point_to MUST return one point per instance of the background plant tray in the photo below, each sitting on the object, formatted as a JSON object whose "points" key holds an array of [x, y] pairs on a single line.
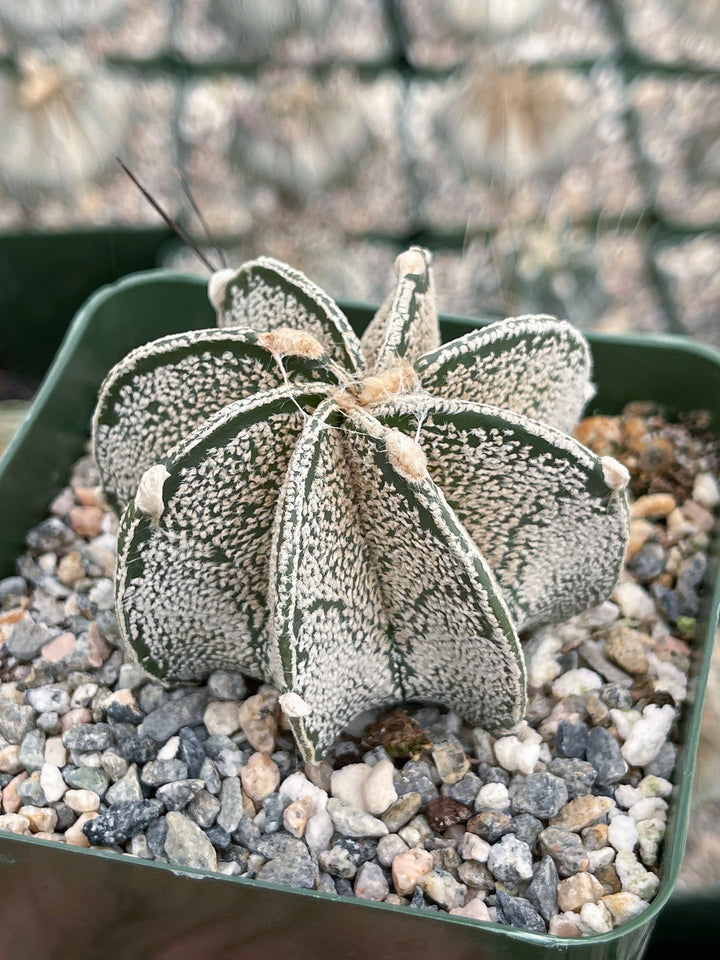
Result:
{"points": [[100, 904]]}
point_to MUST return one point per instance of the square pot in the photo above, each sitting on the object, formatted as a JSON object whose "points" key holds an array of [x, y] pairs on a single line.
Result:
{"points": [[62, 901]]}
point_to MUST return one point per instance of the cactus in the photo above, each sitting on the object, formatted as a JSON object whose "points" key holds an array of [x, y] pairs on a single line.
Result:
{"points": [[356, 522]]}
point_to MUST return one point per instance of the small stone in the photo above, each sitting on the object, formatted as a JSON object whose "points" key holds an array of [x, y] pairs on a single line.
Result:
{"points": [[514, 755], [581, 888], [82, 801], [664, 763], [527, 828], [634, 877], [579, 775], [50, 536], [14, 823], [260, 777], [370, 883], [126, 789], [156, 772], [607, 875], [292, 865], [122, 821], [75, 717], [491, 825], [122, 706], [476, 875], [76, 835], [226, 685], [258, 719], [650, 836], [565, 848], [231, 803], [402, 811], [624, 906], [41, 819], [647, 808], [86, 521], [519, 912], [296, 815], [540, 794], [353, 822], [177, 795], [542, 889], [603, 752], [583, 812], [510, 860], [565, 925], [297, 786], [595, 837], [648, 735], [10, 759], [445, 812], [378, 791], [59, 648], [88, 737], [11, 801], [465, 790], [634, 602], [706, 491], [442, 888], [626, 648], [319, 831], [653, 506], [49, 698], [347, 783], [55, 752], [52, 783], [571, 739], [576, 683], [417, 777], [169, 717], [32, 750], [391, 846], [16, 721], [338, 862], [595, 918], [409, 868], [27, 639], [450, 759], [222, 718], [273, 807], [203, 808], [31, 792], [187, 845], [475, 909]]}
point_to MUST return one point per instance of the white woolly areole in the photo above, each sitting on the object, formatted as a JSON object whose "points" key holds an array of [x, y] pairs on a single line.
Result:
{"points": [[293, 705], [412, 261], [616, 475], [589, 391], [285, 341], [406, 455], [149, 492], [217, 285]]}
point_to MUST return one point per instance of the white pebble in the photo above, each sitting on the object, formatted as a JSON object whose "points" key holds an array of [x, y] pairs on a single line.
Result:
{"points": [[595, 918], [319, 831], [634, 602], [514, 755], [576, 683], [492, 796], [378, 790], [600, 858], [650, 836], [169, 750], [648, 735], [634, 878], [347, 784], [473, 847], [626, 795], [622, 832], [706, 491], [541, 653], [652, 786], [668, 677], [82, 801], [55, 753], [52, 783], [297, 786], [648, 808], [624, 721]]}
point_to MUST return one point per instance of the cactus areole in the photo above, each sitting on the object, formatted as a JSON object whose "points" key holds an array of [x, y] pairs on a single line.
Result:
{"points": [[358, 522]]}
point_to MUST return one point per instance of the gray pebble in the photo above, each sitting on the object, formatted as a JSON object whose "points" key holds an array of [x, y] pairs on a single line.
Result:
{"points": [[464, 791], [616, 697], [510, 860], [65, 816], [274, 806], [27, 639], [16, 720], [343, 887], [648, 563], [171, 716], [571, 739], [540, 794], [227, 685], [292, 865], [518, 912], [136, 748], [542, 890], [191, 751], [450, 759], [114, 765], [338, 863], [487, 773], [417, 777], [353, 822], [157, 772], [218, 837], [88, 737], [231, 804], [86, 778], [476, 875], [127, 788], [121, 822], [31, 793], [155, 835], [177, 795], [527, 828], [215, 745], [187, 845], [565, 848], [50, 536], [12, 589], [359, 849], [579, 775], [603, 752], [32, 750], [664, 763], [203, 808], [248, 834], [402, 811], [49, 723]]}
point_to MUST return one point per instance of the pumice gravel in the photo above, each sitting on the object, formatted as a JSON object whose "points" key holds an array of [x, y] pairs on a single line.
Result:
{"points": [[555, 827]]}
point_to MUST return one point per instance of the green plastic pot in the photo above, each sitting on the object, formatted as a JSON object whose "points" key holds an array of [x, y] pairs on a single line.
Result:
{"points": [[56, 901]]}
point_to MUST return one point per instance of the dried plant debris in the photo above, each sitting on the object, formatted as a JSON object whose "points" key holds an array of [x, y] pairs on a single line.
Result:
{"points": [[357, 522], [556, 825]]}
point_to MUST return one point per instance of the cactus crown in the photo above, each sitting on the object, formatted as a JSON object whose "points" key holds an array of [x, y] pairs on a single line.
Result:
{"points": [[359, 522]]}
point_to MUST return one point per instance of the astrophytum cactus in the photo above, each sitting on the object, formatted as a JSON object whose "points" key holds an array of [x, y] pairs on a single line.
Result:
{"points": [[358, 522]]}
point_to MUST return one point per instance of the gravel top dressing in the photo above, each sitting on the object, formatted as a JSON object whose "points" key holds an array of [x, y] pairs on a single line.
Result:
{"points": [[556, 826]]}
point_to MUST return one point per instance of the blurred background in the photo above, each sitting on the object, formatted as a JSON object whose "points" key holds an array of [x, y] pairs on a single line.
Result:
{"points": [[558, 156]]}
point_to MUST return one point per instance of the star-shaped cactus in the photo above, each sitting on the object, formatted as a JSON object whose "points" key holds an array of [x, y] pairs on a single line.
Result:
{"points": [[358, 522]]}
